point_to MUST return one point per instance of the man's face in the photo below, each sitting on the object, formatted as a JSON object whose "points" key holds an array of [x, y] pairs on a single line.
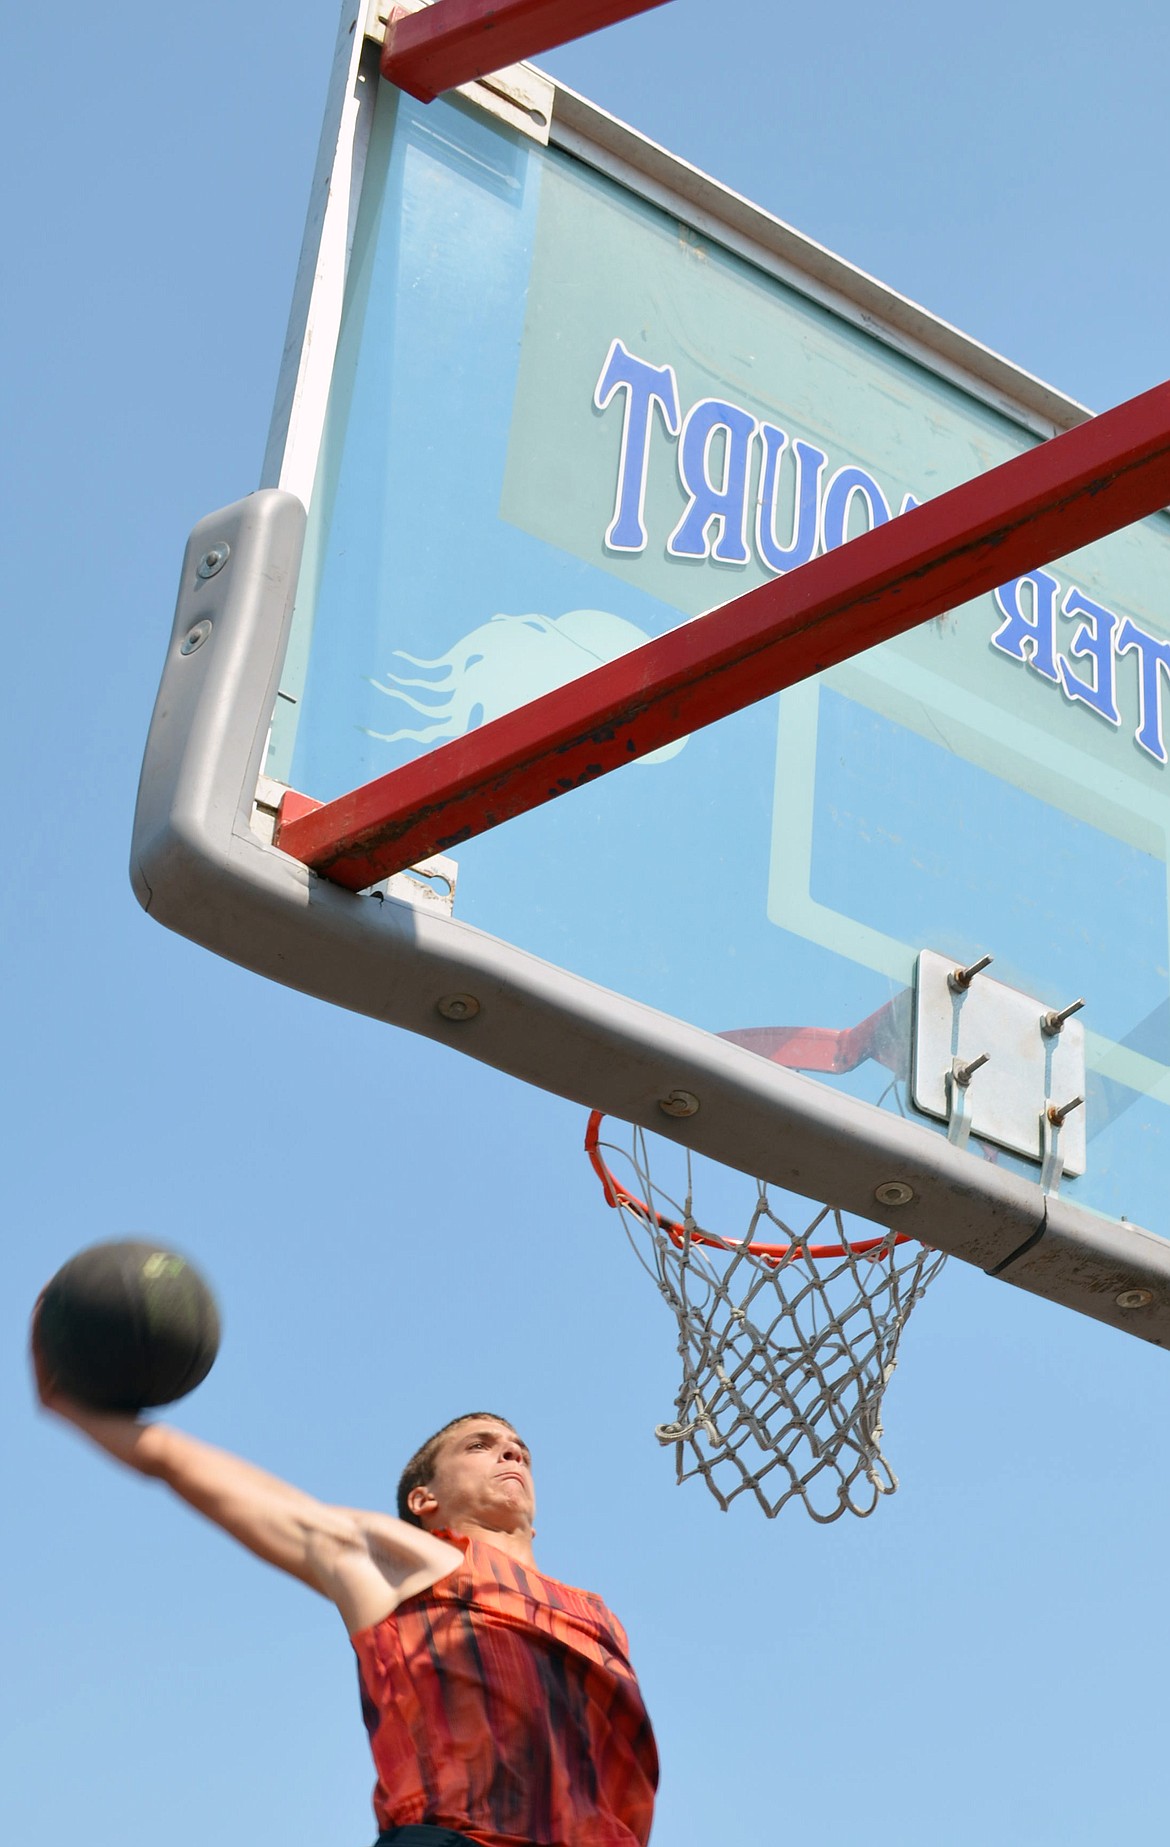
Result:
{"points": [[483, 1475]]}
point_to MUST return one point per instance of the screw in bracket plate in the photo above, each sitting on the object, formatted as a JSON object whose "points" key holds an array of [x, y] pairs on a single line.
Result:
{"points": [[1057, 1112], [1051, 1022], [679, 1103], [1135, 1298], [893, 1193], [963, 1074], [213, 559], [195, 637], [960, 979], [458, 1006]]}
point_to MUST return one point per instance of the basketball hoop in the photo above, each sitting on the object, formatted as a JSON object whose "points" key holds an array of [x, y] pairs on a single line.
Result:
{"points": [[787, 1345]]}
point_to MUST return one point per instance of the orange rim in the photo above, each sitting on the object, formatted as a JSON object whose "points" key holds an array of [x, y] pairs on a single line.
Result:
{"points": [[618, 1195]]}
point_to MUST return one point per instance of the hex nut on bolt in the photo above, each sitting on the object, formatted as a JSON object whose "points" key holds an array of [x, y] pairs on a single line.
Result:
{"points": [[458, 1007], [893, 1193]]}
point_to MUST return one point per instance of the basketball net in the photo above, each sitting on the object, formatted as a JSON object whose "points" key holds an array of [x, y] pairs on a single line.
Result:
{"points": [[788, 1336]]}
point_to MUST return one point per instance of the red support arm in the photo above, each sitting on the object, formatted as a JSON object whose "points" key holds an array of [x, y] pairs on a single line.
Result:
{"points": [[1053, 499], [453, 41], [884, 1036]]}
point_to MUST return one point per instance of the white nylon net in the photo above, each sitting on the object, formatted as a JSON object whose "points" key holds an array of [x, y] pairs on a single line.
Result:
{"points": [[786, 1348]]}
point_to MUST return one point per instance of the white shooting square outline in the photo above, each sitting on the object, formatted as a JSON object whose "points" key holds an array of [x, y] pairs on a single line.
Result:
{"points": [[892, 687]]}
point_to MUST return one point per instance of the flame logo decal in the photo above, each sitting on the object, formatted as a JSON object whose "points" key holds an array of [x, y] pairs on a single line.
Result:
{"points": [[502, 664]]}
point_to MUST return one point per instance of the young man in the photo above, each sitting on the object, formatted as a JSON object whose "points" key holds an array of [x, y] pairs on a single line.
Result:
{"points": [[501, 1705]]}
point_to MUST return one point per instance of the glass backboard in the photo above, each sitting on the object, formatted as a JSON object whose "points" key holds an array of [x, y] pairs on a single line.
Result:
{"points": [[574, 395]]}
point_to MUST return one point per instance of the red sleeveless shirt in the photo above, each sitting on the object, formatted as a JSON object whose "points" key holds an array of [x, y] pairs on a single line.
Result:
{"points": [[502, 1704]]}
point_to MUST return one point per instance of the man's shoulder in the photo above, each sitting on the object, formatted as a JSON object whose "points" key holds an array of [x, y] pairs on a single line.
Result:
{"points": [[497, 1577]]}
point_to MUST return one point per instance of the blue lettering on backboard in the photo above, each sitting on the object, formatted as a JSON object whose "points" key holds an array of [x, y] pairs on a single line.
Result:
{"points": [[848, 486], [716, 442], [1094, 640], [723, 504], [1028, 631], [809, 464], [1154, 661], [644, 386]]}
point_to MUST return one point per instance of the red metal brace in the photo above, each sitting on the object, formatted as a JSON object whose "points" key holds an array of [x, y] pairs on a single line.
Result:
{"points": [[453, 41], [1053, 499], [884, 1036]]}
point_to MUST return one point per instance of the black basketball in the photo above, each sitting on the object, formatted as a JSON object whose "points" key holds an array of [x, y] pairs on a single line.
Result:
{"points": [[127, 1325]]}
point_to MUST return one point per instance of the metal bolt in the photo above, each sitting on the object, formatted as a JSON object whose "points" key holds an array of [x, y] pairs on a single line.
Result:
{"points": [[960, 979], [1135, 1298], [195, 637], [214, 560], [1057, 1114], [459, 1007], [679, 1103], [893, 1193], [1051, 1022], [963, 1074]]}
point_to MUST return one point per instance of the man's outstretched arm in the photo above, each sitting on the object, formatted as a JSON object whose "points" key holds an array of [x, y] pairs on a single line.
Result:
{"points": [[365, 1563]]}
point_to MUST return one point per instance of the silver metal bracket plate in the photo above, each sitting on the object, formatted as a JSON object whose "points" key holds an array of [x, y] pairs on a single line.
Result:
{"points": [[1024, 1077]]}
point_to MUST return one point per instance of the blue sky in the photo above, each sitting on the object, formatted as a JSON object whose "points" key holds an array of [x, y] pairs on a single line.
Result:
{"points": [[397, 1235]]}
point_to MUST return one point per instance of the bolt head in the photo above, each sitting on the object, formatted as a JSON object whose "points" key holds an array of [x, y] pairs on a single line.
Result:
{"points": [[893, 1193], [213, 559], [679, 1103], [1135, 1298], [195, 637], [458, 1007]]}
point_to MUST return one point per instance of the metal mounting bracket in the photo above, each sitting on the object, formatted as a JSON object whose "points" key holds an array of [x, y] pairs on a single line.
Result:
{"points": [[1029, 1095]]}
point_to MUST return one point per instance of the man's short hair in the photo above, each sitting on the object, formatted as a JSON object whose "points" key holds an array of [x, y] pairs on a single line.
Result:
{"points": [[421, 1466]]}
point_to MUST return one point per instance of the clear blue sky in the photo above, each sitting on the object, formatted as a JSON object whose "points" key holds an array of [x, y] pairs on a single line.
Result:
{"points": [[398, 1235]]}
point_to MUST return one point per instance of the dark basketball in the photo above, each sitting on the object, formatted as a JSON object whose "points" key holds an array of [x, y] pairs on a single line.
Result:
{"points": [[127, 1325]]}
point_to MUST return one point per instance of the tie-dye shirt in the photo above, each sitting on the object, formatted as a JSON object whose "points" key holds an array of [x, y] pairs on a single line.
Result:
{"points": [[502, 1704]]}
